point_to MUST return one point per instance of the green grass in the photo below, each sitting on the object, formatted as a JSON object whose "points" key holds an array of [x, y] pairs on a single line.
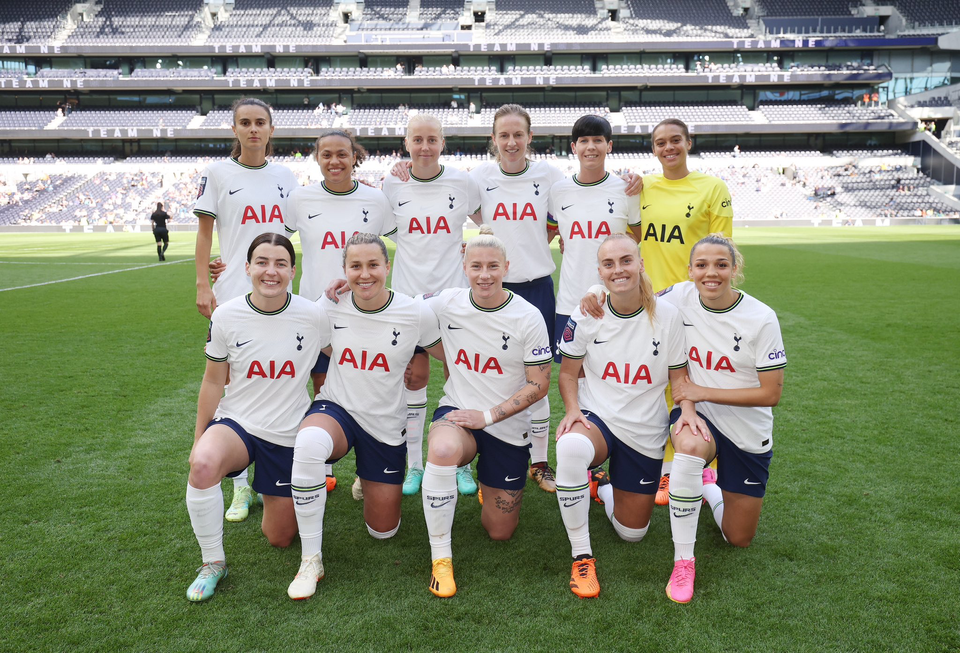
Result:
{"points": [[856, 551]]}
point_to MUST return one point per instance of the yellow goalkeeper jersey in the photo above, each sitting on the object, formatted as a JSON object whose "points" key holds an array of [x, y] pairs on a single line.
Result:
{"points": [[674, 215]]}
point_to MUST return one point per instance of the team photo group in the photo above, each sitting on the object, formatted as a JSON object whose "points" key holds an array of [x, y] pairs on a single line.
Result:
{"points": [[667, 371]]}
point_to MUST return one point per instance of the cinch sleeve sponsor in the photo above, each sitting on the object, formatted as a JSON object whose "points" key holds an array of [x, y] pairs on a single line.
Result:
{"points": [[770, 351], [216, 349], [206, 204], [721, 215], [537, 350]]}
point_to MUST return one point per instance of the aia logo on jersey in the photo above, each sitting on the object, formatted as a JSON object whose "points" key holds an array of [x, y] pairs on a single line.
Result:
{"points": [[623, 375], [714, 362], [601, 230], [503, 213], [474, 365], [368, 362], [263, 217], [271, 371], [332, 240], [428, 226], [569, 331], [662, 236], [203, 187]]}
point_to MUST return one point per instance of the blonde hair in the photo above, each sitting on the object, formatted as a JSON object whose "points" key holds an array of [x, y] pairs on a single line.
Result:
{"points": [[425, 119], [735, 255], [235, 151], [486, 239], [648, 299], [509, 110]]}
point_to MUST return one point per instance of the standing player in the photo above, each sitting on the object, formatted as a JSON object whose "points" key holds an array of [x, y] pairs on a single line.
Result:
{"points": [[678, 208], [244, 196], [266, 341], [362, 404], [498, 354], [619, 410], [735, 376], [327, 215], [160, 234], [586, 208], [427, 225]]}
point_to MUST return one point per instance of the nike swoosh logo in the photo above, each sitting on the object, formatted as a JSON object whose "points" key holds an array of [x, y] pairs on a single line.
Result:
{"points": [[303, 503], [311, 217], [685, 324], [279, 484], [599, 342], [434, 505], [494, 188], [564, 208], [241, 344], [510, 480], [568, 505], [235, 191], [390, 471], [339, 327], [749, 482], [322, 408], [686, 514], [646, 482], [644, 207], [402, 203], [453, 328]]}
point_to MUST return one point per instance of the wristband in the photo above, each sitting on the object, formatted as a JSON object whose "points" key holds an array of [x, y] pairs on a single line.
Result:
{"points": [[487, 418]]}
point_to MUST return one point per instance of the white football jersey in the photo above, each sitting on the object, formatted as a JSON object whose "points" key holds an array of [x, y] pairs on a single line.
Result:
{"points": [[371, 350], [326, 220], [726, 349], [585, 214], [245, 202], [487, 351], [270, 357], [427, 225], [516, 206], [626, 365]]}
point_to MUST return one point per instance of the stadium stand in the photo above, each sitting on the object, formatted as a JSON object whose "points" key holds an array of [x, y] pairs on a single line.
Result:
{"points": [[25, 119], [275, 21], [371, 116], [172, 73], [805, 8], [665, 20], [693, 112], [78, 73], [280, 72], [642, 69], [541, 114], [455, 71], [140, 21], [127, 118], [822, 112], [388, 11], [538, 20], [26, 21], [441, 10]]}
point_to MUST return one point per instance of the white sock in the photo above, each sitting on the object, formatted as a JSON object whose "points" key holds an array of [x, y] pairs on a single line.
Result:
{"points": [[665, 467], [714, 497], [605, 492], [686, 496], [628, 534], [416, 417], [240, 480], [383, 535], [439, 493], [328, 469], [308, 484], [539, 429], [575, 452], [206, 516]]}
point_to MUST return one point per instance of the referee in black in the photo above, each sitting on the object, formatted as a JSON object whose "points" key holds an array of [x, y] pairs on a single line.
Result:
{"points": [[159, 219]]}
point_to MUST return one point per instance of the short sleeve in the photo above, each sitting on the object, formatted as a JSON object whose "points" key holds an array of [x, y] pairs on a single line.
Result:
{"points": [[769, 347], [323, 321], [552, 210], [216, 348], [721, 210], [473, 195], [574, 338], [633, 210], [386, 214], [293, 209], [429, 326], [206, 204], [436, 301], [390, 218], [676, 340], [537, 346]]}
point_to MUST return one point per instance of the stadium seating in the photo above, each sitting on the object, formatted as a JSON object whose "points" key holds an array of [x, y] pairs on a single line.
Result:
{"points": [[276, 21], [78, 73], [539, 20], [823, 112], [693, 112], [642, 69], [26, 119], [553, 115], [679, 19], [127, 118], [172, 73], [440, 10], [26, 21], [140, 21]]}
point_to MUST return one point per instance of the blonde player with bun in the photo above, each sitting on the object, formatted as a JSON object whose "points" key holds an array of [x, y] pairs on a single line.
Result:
{"points": [[499, 357], [617, 410], [244, 196], [735, 373], [361, 406]]}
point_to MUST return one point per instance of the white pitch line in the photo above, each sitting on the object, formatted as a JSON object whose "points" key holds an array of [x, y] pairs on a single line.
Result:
{"points": [[95, 274], [63, 263]]}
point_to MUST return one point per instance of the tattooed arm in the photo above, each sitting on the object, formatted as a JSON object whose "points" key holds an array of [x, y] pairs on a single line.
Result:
{"points": [[536, 387]]}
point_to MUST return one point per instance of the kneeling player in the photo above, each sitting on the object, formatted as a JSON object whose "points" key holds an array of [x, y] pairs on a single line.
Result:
{"points": [[619, 411], [498, 354], [267, 340], [361, 405]]}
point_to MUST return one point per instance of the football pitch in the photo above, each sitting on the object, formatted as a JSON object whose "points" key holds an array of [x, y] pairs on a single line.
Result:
{"points": [[857, 548]]}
